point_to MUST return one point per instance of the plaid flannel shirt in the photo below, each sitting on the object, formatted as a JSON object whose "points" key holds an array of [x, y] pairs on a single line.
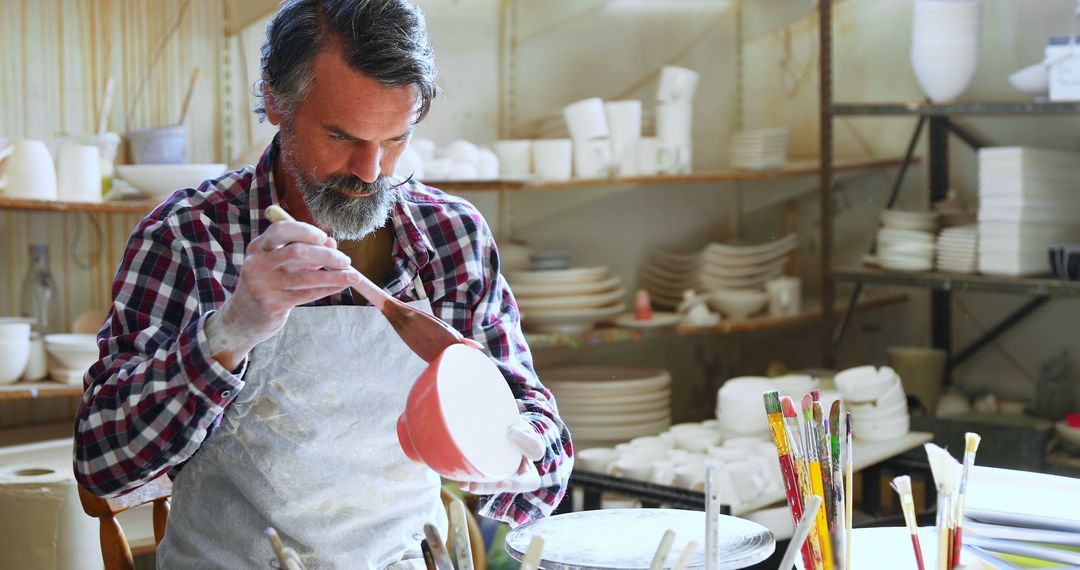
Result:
{"points": [[156, 393]]}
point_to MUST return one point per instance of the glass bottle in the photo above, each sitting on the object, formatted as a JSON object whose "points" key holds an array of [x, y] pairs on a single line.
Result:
{"points": [[40, 300]]}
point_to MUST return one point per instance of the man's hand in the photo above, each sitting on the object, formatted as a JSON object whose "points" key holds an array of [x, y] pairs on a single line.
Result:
{"points": [[527, 479], [283, 268]]}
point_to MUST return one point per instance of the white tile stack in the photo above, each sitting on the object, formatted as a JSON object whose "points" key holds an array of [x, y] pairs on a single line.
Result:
{"points": [[761, 149], [945, 42], [1027, 202], [905, 241], [958, 249]]}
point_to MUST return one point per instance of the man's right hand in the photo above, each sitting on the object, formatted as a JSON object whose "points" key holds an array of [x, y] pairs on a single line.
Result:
{"points": [[283, 268]]}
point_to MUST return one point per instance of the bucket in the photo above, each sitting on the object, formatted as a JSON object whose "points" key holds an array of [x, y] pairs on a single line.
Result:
{"points": [[161, 145]]}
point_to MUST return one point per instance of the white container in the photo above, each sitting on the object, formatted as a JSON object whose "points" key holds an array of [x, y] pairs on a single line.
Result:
{"points": [[676, 84], [587, 119], [14, 331], [78, 173], [624, 122], [597, 459], [72, 351], [674, 122], [37, 365], [593, 159], [27, 170], [553, 159], [785, 296], [1064, 77], [14, 355], [515, 157]]}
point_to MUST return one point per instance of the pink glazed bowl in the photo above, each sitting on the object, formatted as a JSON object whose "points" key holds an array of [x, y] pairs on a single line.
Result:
{"points": [[457, 416]]}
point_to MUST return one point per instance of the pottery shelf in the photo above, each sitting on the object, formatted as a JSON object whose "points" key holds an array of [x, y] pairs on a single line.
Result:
{"points": [[616, 335], [972, 108], [794, 169], [39, 390], [1040, 287]]}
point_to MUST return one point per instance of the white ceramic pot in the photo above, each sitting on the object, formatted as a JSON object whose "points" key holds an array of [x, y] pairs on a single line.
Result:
{"points": [[586, 119], [14, 356], [27, 171], [596, 460], [515, 157]]}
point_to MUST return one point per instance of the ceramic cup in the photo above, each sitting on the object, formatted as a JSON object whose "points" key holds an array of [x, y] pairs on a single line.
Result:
{"points": [[728, 454], [750, 477], [785, 296], [592, 158], [646, 469], [698, 441], [14, 356], [78, 173], [14, 331], [553, 159], [648, 153], [596, 460], [692, 477], [515, 157], [586, 119], [37, 365], [674, 122], [438, 168], [676, 84], [624, 122], [27, 171], [675, 158]]}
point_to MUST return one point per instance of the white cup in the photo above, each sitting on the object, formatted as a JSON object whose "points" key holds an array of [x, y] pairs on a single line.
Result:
{"points": [[37, 365], [78, 173], [745, 443], [676, 84], [750, 477], [14, 331], [14, 356], [586, 119], [27, 171], [675, 158], [596, 459], [646, 469], [438, 168], [553, 159], [592, 159], [648, 152], [624, 122], [423, 147], [646, 441], [674, 122], [698, 441], [785, 296], [728, 454], [692, 477], [487, 164], [515, 157]]}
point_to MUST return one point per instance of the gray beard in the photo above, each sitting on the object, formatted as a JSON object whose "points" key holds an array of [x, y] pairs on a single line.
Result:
{"points": [[348, 218]]}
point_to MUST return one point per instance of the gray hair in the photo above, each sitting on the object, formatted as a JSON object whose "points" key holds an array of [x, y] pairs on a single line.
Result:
{"points": [[385, 40]]}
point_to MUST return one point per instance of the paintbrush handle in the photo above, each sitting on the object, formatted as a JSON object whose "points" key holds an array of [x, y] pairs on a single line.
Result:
{"points": [[531, 560], [684, 559], [663, 550], [802, 531]]}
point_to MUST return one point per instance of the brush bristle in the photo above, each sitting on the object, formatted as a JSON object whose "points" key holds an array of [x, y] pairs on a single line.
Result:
{"points": [[971, 442], [847, 423], [815, 395], [788, 406], [835, 413], [807, 401], [902, 485], [772, 401], [819, 414], [944, 467]]}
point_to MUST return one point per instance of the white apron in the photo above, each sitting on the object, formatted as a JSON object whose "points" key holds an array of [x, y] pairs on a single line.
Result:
{"points": [[310, 447]]}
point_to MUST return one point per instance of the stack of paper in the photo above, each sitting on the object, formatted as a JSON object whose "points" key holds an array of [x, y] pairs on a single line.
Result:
{"points": [[1027, 202], [1023, 520]]}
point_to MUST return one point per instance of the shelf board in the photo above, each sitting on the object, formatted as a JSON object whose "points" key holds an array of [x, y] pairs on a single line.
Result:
{"points": [[606, 335], [974, 108], [92, 207], [793, 169], [960, 282], [33, 390]]}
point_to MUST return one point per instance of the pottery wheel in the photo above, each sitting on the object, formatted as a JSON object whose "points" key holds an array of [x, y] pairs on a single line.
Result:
{"points": [[626, 539]]}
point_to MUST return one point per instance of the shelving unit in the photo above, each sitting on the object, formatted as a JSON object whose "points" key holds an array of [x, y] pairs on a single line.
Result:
{"points": [[939, 119], [35, 390]]}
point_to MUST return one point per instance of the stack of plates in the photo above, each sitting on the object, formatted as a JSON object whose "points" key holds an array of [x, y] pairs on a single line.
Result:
{"points": [[570, 301], [607, 405], [957, 249], [667, 275], [906, 240], [875, 397], [761, 149], [1027, 202], [739, 406]]}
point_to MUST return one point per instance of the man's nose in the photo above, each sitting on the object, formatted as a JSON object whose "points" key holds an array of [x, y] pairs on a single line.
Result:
{"points": [[364, 162]]}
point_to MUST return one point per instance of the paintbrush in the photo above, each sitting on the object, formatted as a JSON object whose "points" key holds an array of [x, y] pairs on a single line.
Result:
{"points": [[971, 445], [663, 550], [825, 466], [438, 547], [902, 486], [287, 557], [849, 492], [835, 435], [684, 559], [459, 535], [429, 558], [813, 454], [786, 458], [946, 471], [793, 432], [802, 532], [531, 560]]}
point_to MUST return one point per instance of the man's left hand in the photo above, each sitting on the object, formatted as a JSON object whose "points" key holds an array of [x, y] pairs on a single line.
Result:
{"points": [[527, 479]]}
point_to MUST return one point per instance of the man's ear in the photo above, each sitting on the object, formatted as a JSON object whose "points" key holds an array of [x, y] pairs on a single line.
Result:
{"points": [[270, 103]]}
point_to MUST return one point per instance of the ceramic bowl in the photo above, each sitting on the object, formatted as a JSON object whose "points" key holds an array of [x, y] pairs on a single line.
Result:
{"points": [[14, 356], [865, 383], [72, 351], [596, 460], [738, 304], [160, 180], [14, 331], [457, 417], [698, 441], [875, 412], [880, 429], [1032, 80]]}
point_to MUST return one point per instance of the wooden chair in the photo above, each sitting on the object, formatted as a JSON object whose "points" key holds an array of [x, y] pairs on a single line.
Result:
{"points": [[117, 553]]}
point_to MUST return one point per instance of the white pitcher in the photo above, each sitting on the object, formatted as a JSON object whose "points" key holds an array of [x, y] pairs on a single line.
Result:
{"points": [[27, 171]]}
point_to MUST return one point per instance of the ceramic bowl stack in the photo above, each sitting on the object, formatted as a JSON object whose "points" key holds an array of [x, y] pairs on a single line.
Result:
{"points": [[607, 405], [569, 301], [906, 240], [957, 249], [739, 406], [876, 400], [735, 275], [945, 42], [761, 149], [667, 275], [1027, 202]]}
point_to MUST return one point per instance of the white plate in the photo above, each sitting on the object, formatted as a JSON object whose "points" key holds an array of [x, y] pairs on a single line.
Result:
{"points": [[523, 290], [744, 260], [558, 276], [603, 396], [571, 407], [569, 321], [659, 319], [905, 235], [532, 304], [622, 379], [622, 432], [904, 265], [727, 272], [784, 244], [623, 419], [744, 283]]}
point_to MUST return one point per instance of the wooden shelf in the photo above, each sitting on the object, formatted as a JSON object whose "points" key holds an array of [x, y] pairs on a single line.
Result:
{"points": [[92, 207], [1042, 287], [33, 390], [999, 108], [615, 335], [793, 169]]}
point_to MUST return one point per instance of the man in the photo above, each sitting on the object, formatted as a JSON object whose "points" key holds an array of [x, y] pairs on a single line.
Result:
{"points": [[235, 358]]}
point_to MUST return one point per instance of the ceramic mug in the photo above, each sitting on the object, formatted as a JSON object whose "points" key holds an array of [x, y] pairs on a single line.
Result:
{"points": [[692, 477], [515, 157], [674, 122], [624, 122], [597, 459], [645, 469], [27, 171], [553, 159], [675, 158], [676, 84], [79, 173], [593, 158], [698, 441], [785, 296], [586, 119], [749, 477]]}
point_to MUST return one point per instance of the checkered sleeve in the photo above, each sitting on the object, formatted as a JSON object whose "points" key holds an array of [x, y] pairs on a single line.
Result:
{"points": [[155, 390], [496, 322]]}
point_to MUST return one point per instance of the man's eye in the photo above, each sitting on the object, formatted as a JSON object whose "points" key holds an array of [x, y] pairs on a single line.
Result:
{"points": [[340, 137]]}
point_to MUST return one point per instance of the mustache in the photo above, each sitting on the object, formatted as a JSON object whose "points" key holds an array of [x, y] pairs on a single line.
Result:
{"points": [[352, 184]]}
